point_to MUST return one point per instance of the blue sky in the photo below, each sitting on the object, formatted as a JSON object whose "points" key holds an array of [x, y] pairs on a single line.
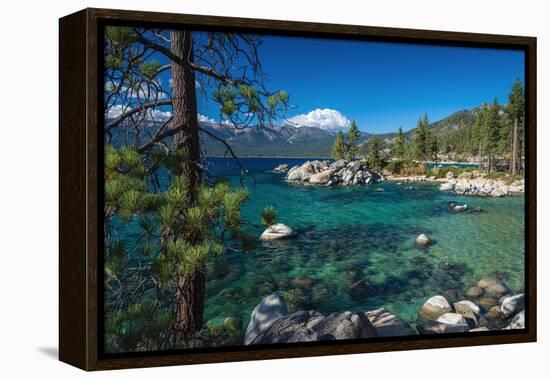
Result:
{"points": [[382, 86], [386, 85]]}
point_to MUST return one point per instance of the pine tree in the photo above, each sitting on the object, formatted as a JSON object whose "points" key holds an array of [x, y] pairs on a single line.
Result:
{"points": [[492, 133], [421, 139], [339, 149], [399, 147], [133, 191], [479, 133], [373, 156], [434, 147], [516, 110], [353, 136]]}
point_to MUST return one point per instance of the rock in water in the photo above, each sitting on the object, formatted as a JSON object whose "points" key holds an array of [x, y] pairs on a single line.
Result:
{"points": [[446, 187], [454, 319], [486, 282], [434, 307], [322, 177], [305, 326], [474, 292], [277, 231], [270, 309], [510, 305], [436, 327], [496, 290], [345, 325], [465, 306], [388, 325], [423, 240], [460, 208], [281, 169], [518, 322]]}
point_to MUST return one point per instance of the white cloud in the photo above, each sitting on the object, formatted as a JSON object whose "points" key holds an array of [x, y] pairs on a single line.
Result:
{"points": [[151, 114], [203, 118], [117, 110], [158, 115], [326, 119]]}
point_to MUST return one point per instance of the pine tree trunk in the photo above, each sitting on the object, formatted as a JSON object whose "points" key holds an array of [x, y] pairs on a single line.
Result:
{"points": [[513, 169], [189, 299]]}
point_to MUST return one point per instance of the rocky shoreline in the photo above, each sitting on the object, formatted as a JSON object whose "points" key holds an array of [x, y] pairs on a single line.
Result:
{"points": [[324, 173], [488, 305], [483, 187]]}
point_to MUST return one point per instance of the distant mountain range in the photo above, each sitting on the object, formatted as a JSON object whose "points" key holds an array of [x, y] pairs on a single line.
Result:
{"points": [[305, 141]]}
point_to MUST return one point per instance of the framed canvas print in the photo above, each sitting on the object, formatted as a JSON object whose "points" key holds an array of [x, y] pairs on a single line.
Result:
{"points": [[237, 189]]}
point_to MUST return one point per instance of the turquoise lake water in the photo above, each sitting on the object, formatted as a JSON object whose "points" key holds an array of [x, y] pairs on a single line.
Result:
{"points": [[355, 246]]}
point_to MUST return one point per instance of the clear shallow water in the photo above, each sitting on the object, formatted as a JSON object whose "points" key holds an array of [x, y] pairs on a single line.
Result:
{"points": [[355, 246]]}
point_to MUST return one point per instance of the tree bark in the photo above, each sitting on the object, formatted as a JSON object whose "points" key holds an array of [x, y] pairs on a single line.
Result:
{"points": [[189, 299], [513, 168]]}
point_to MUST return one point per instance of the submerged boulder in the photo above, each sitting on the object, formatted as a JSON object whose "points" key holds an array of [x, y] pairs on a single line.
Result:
{"points": [[281, 169], [474, 291], [277, 231], [422, 240]]}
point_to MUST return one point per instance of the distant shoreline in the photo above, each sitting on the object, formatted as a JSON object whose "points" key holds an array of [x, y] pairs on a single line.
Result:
{"points": [[266, 156], [450, 163]]}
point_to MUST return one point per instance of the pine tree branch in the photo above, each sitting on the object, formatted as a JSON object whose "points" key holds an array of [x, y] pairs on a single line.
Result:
{"points": [[199, 68], [141, 108]]}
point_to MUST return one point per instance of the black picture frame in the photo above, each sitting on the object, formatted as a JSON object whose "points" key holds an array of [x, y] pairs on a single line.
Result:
{"points": [[81, 188]]}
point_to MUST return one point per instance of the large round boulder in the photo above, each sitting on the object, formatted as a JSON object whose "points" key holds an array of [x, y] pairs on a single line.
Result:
{"points": [[510, 305], [270, 309], [388, 324], [277, 231], [434, 307], [322, 177], [422, 241], [496, 290], [453, 319], [518, 322], [474, 292]]}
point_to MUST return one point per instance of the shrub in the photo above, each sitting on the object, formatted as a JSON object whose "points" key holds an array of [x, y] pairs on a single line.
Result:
{"points": [[269, 216]]}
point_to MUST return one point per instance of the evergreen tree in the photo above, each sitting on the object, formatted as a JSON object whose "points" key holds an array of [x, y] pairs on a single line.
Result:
{"points": [[353, 136], [516, 110], [434, 147], [133, 192], [399, 147], [421, 143], [339, 148], [373, 156], [492, 133], [479, 133]]}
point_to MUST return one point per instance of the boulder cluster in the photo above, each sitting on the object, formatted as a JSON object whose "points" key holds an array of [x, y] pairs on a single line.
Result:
{"points": [[489, 305], [483, 187], [271, 323], [340, 172]]}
